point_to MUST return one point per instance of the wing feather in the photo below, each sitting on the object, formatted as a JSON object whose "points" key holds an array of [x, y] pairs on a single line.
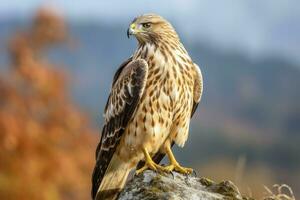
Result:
{"points": [[127, 88]]}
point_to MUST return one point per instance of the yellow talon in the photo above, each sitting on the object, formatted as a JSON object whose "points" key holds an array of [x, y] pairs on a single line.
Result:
{"points": [[174, 165], [149, 164]]}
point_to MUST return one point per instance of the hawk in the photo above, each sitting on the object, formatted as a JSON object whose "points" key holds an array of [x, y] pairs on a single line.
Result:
{"points": [[153, 96]]}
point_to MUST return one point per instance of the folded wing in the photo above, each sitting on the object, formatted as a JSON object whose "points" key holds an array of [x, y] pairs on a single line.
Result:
{"points": [[127, 88]]}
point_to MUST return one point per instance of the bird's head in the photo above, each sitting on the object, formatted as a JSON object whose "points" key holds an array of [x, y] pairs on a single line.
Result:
{"points": [[150, 28]]}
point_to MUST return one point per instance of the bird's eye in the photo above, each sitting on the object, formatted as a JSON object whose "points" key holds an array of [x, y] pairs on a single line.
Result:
{"points": [[146, 25]]}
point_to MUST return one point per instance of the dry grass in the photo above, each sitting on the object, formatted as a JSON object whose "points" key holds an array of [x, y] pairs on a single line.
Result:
{"points": [[249, 179], [279, 192]]}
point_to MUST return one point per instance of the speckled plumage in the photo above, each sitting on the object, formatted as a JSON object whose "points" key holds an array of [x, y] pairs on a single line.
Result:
{"points": [[163, 86]]}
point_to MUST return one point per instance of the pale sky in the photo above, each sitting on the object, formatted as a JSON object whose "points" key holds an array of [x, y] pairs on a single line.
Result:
{"points": [[254, 26]]}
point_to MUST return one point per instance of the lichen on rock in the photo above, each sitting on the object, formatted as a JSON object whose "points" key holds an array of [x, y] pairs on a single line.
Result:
{"points": [[155, 186]]}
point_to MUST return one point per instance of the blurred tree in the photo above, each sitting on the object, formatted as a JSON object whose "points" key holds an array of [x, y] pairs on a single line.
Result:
{"points": [[46, 143]]}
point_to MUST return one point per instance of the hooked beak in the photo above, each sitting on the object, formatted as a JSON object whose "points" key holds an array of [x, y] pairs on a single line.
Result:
{"points": [[131, 30]]}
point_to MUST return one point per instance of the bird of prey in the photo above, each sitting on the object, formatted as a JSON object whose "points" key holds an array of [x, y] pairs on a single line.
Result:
{"points": [[153, 97]]}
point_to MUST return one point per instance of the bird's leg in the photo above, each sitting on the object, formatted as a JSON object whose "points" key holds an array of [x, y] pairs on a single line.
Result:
{"points": [[149, 163], [174, 165]]}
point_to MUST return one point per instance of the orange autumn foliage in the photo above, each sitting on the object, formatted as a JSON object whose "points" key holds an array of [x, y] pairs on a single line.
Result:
{"points": [[46, 143]]}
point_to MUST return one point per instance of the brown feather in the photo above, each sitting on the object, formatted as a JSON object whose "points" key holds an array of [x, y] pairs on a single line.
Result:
{"points": [[128, 85]]}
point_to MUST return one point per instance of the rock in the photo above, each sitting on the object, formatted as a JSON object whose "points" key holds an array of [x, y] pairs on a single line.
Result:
{"points": [[155, 186]]}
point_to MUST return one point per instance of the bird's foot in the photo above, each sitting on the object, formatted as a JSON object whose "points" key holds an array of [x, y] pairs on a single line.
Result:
{"points": [[176, 167], [150, 164]]}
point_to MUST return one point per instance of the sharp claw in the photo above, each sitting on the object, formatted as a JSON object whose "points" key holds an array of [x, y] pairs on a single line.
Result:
{"points": [[171, 172]]}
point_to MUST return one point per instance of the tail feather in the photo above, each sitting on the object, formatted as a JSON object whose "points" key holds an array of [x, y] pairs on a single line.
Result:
{"points": [[114, 180]]}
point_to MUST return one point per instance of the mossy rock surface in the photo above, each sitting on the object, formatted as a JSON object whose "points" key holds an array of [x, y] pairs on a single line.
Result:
{"points": [[154, 186]]}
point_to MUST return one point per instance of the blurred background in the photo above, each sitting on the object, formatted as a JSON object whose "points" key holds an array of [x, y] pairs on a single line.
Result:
{"points": [[57, 60]]}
